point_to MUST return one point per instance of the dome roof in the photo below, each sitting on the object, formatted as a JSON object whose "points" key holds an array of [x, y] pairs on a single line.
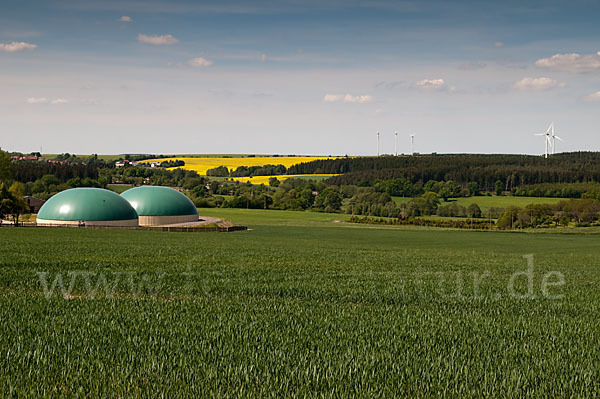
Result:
{"points": [[87, 204], [159, 201]]}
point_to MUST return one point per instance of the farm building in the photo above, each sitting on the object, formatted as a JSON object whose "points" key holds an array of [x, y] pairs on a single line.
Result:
{"points": [[35, 204], [157, 205], [87, 206]]}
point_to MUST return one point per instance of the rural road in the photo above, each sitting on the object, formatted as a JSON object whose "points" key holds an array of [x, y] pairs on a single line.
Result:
{"points": [[204, 220]]}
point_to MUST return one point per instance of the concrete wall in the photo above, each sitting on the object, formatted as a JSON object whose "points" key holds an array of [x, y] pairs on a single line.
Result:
{"points": [[162, 220], [116, 223]]}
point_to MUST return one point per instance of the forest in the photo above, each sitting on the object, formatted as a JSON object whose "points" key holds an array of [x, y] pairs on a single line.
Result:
{"points": [[486, 170]]}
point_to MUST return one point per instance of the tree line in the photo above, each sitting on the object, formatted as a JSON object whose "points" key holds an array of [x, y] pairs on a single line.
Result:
{"points": [[562, 190], [486, 170], [247, 171], [27, 171], [11, 198]]}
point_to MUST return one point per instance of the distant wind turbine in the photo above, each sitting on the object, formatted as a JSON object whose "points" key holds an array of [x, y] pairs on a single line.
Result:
{"points": [[396, 146], [548, 141], [412, 144], [377, 143], [554, 137]]}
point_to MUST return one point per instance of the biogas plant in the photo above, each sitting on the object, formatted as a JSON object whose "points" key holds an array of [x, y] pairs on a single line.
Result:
{"points": [[97, 207]]}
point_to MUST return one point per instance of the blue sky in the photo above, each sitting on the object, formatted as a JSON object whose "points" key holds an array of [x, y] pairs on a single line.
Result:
{"points": [[298, 77]]}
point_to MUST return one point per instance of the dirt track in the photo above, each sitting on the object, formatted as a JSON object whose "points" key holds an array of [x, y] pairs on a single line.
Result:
{"points": [[204, 220]]}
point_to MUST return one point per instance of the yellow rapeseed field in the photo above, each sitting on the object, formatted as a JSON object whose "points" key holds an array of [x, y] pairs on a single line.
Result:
{"points": [[201, 165]]}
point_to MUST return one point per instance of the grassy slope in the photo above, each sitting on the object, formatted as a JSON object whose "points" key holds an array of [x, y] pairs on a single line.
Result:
{"points": [[299, 305], [119, 188]]}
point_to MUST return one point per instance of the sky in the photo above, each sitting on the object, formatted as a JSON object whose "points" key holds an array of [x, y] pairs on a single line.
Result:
{"points": [[298, 77]]}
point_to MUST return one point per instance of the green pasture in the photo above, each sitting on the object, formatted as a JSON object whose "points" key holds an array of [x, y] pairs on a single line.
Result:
{"points": [[486, 202], [301, 305], [119, 188], [310, 177]]}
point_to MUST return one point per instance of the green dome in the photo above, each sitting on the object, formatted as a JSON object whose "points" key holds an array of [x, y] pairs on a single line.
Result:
{"points": [[159, 201], [87, 204]]}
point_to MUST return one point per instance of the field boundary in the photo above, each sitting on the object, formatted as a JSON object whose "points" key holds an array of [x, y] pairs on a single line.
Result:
{"points": [[178, 229]]}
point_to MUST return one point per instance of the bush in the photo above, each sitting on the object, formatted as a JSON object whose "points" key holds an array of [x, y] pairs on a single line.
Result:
{"points": [[219, 171]]}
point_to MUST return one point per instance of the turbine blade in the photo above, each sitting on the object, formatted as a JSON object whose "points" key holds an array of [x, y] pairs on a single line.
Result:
{"points": [[556, 137]]}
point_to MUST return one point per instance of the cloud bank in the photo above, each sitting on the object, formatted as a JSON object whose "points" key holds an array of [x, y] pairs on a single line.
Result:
{"points": [[348, 98], [539, 84], [431, 83], [593, 97], [200, 62], [157, 40], [16, 46], [44, 100], [572, 62], [434, 85]]}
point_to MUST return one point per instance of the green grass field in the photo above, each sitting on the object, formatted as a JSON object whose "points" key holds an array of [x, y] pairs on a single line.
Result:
{"points": [[486, 202], [301, 305], [119, 188]]}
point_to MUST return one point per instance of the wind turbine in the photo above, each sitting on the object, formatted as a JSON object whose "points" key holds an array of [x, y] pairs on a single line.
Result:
{"points": [[412, 144], [377, 143], [548, 140], [554, 137], [396, 147]]}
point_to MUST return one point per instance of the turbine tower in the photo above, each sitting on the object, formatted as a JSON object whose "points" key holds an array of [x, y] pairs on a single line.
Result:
{"points": [[396, 146], [412, 144], [554, 137], [548, 141], [377, 143]]}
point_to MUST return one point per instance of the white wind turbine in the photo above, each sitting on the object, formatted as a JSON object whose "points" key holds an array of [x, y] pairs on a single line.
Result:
{"points": [[548, 141], [412, 144], [377, 143], [396, 146], [554, 138]]}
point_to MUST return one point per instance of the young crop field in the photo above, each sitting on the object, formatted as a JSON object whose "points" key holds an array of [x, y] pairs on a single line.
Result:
{"points": [[202, 164], [303, 305]]}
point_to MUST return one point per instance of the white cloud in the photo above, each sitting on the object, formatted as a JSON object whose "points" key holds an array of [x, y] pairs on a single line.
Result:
{"points": [[348, 98], [331, 98], [498, 44], [37, 100], [157, 40], [125, 18], [200, 62], [593, 97], [572, 62], [431, 83], [537, 84], [44, 100], [434, 84], [16, 46]]}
